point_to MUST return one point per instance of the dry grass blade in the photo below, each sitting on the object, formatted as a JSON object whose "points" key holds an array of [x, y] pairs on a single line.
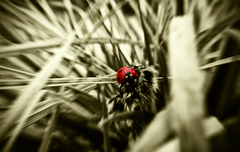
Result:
{"points": [[221, 62], [68, 5], [235, 33], [24, 117], [229, 20], [206, 49], [211, 125], [7, 26], [17, 71], [162, 18], [147, 51], [78, 110], [212, 55], [115, 54], [123, 20], [124, 61], [91, 11], [187, 101], [211, 74], [50, 14], [156, 133], [114, 41], [43, 44], [102, 100], [48, 130], [27, 15], [54, 82], [62, 80], [27, 95], [42, 109], [28, 47], [88, 37]]}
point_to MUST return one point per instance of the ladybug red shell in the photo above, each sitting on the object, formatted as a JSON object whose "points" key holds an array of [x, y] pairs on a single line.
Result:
{"points": [[124, 73]]}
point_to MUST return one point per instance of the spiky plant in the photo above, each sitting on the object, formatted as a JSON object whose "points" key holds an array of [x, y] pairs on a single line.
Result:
{"points": [[136, 95]]}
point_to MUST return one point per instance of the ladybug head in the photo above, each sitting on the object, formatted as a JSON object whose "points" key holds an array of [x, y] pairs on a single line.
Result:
{"points": [[127, 76]]}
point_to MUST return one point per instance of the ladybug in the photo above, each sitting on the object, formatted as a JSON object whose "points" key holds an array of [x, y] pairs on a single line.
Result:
{"points": [[127, 75]]}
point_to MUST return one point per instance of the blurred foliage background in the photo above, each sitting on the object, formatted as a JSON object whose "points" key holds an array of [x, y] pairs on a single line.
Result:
{"points": [[59, 58]]}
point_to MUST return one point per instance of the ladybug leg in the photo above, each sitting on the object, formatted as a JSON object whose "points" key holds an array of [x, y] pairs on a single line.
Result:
{"points": [[120, 86]]}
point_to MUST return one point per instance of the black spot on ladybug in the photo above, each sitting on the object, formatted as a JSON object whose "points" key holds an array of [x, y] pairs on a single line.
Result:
{"points": [[120, 71], [128, 73], [118, 78]]}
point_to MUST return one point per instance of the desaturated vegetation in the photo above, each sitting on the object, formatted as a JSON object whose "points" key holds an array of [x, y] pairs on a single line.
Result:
{"points": [[58, 64]]}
